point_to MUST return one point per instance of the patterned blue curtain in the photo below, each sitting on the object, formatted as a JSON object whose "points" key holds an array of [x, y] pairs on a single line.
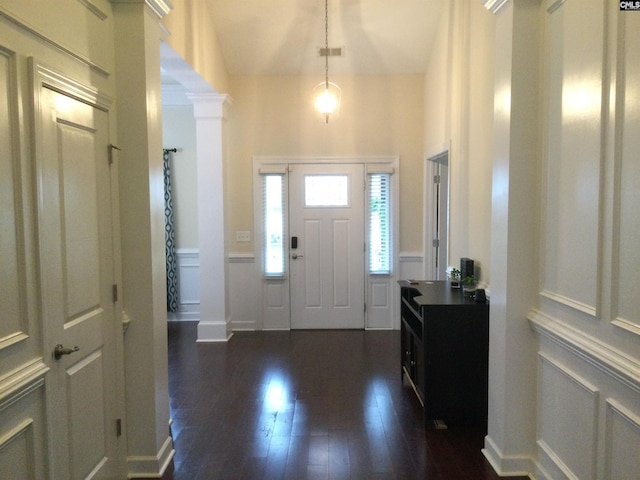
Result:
{"points": [[169, 236]]}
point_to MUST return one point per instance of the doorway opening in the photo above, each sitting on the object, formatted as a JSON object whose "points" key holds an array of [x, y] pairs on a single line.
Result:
{"points": [[437, 216]]}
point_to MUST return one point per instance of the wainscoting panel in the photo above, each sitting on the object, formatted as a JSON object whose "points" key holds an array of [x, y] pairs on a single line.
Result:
{"points": [[623, 437], [567, 422], [243, 293], [258, 303], [588, 405], [411, 267], [22, 429], [188, 261]]}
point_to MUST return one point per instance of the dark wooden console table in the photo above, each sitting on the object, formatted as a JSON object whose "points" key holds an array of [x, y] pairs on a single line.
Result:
{"points": [[445, 345]]}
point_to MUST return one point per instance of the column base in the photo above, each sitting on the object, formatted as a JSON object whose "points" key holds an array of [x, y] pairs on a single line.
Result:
{"points": [[214, 331]]}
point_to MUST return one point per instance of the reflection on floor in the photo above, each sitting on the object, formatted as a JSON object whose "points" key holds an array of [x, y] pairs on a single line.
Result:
{"points": [[305, 404]]}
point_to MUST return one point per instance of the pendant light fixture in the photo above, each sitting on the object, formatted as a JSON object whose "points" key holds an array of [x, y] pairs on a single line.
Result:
{"points": [[327, 94]]}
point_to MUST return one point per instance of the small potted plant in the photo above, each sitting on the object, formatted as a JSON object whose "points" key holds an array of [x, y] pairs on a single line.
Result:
{"points": [[469, 284], [454, 277]]}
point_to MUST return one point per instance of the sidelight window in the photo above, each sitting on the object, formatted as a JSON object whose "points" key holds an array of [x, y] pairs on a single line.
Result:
{"points": [[379, 223], [273, 208]]}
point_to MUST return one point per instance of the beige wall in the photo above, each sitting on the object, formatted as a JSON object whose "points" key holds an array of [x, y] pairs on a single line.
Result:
{"points": [[274, 116], [193, 37], [459, 112], [178, 131]]}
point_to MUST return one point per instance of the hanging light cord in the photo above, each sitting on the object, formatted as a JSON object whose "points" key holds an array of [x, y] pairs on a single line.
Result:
{"points": [[326, 44]]}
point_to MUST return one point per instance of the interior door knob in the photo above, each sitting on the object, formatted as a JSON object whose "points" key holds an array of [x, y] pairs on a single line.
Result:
{"points": [[60, 350]]}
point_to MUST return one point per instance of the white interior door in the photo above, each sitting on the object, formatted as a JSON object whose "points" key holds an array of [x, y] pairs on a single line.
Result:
{"points": [[326, 217], [76, 251]]}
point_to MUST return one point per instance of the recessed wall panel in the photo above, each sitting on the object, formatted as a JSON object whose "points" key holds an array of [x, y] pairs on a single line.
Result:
{"points": [[628, 300], [341, 262], [22, 430], [576, 33], [567, 420], [16, 453], [80, 201], [623, 438], [312, 265], [13, 324]]}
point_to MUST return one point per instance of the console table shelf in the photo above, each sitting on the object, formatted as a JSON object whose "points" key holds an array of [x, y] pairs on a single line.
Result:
{"points": [[445, 345]]}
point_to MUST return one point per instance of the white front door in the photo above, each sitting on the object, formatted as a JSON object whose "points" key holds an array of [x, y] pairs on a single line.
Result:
{"points": [[326, 218], [77, 269]]}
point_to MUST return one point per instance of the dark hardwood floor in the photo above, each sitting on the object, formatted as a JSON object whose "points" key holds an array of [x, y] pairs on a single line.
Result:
{"points": [[305, 405]]}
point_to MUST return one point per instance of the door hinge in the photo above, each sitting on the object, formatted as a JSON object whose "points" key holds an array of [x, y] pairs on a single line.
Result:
{"points": [[365, 307], [436, 179], [114, 293], [112, 147], [436, 242], [118, 427]]}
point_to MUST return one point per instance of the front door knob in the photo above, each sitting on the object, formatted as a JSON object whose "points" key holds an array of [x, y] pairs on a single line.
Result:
{"points": [[295, 256], [60, 350]]}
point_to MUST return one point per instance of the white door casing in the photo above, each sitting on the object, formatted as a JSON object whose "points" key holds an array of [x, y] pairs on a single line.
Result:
{"points": [[327, 267], [77, 271], [437, 211]]}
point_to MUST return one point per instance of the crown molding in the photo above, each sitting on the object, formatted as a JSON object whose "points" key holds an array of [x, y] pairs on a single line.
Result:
{"points": [[160, 7]]}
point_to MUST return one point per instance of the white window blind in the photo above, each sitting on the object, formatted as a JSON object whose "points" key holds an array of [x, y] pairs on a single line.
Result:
{"points": [[273, 208], [379, 224]]}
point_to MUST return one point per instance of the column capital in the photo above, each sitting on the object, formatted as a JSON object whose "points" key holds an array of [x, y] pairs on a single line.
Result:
{"points": [[210, 105]]}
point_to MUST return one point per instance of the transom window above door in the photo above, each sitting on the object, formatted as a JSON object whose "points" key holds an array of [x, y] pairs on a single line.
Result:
{"points": [[326, 191]]}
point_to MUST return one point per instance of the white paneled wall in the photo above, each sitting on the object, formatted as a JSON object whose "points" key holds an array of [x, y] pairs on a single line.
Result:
{"points": [[411, 266], [568, 439], [264, 305], [243, 293], [588, 406], [188, 266], [588, 319]]}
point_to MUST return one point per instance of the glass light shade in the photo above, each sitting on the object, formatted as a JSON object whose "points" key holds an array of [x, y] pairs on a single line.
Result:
{"points": [[327, 100]]}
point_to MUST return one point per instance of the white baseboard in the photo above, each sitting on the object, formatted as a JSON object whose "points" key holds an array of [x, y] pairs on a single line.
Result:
{"points": [[214, 332], [506, 465], [151, 467], [244, 325]]}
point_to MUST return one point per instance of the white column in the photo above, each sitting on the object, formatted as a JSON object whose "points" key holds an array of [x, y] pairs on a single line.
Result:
{"points": [[510, 440], [210, 112], [141, 193]]}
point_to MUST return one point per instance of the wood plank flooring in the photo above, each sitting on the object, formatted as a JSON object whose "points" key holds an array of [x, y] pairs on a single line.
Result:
{"points": [[305, 405]]}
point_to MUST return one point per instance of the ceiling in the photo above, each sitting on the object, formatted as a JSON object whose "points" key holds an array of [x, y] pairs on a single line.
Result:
{"points": [[282, 37]]}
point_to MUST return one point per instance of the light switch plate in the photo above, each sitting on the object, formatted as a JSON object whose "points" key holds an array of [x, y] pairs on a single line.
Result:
{"points": [[243, 236]]}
